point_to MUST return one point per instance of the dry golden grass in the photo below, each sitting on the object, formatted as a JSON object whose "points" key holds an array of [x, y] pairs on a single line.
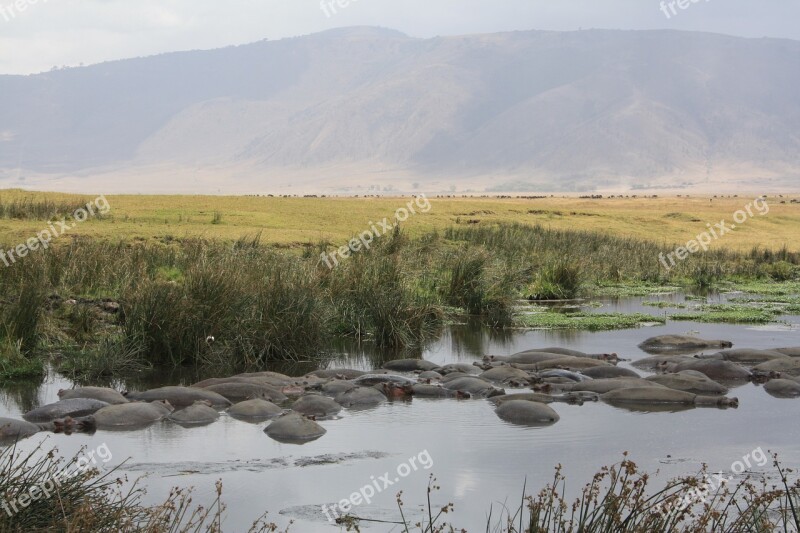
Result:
{"points": [[294, 221]]}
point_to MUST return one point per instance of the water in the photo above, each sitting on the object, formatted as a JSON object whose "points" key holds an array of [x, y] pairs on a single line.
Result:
{"points": [[480, 461]]}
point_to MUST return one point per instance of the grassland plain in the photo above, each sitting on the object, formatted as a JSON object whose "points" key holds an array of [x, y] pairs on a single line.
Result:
{"points": [[297, 221]]}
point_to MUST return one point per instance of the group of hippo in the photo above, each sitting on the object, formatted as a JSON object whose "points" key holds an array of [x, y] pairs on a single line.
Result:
{"points": [[293, 405]]}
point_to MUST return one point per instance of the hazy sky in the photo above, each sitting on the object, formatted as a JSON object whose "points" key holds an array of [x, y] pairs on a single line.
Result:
{"points": [[69, 32]]}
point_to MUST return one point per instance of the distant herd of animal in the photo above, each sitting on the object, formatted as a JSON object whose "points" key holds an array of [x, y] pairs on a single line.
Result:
{"points": [[682, 377]]}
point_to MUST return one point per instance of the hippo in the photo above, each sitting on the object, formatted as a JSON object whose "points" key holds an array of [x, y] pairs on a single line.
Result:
{"points": [[602, 386], [367, 380], [570, 397], [606, 372], [506, 374], [110, 396], [338, 373], [714, 368], [554, 350], [526, 358], [570, 376], [360, 397], [316, 406], [522, 412], [690, 383], [294, 428], [571, 363], [75, 407], [447, 378], [410, 365], [476, 387], [680, 344], [266, 375], [270, 382], [13, 430], [429, 375], [256, 409], [464, 368], [789, 366], [791, 352], [434, 391], [336, 386], [131, 415], [745, 356], [782, 388], [179, 396], [659, 361], [200, 413], [644, 396], [239, 392]]}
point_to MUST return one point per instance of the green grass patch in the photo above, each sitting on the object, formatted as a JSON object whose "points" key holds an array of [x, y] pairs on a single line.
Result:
{"points": [[621, 290], [729, 314], [664, 305], [587, 321]]}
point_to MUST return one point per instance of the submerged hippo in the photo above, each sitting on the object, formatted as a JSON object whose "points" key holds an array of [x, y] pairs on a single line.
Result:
{"points": [[239, 392], [569, 375], [464, 368], [360, 397], [200, 413], [109, 396], [336, 386], [745, 356], [339, 373], [527, 413], [791, 352], [526, 358], [294, 428], [555, 350], [317, 406], [662, 395], [570, 397], [602, 386], [410, 365], [475, 386], [690, 383], [435, 391], [783, 388], [789, 366], [572, 363], [131, 415], [714, 369], [76, 407], [368, 380], [659, 361], [506, 374], [256, 409], [13, 430], [179, 396], [680, 344], [606, 372]]}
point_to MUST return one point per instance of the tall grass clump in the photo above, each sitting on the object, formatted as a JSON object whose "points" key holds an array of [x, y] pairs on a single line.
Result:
{"points": [[557, 281], [38, 209], [375, 297]]}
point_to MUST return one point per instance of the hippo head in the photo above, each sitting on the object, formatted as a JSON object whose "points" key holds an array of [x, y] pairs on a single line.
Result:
{"points": [[729, 402], [61, 392], [757, 376], [462, 395], [610, 357], [393, 390], [542, 387]]}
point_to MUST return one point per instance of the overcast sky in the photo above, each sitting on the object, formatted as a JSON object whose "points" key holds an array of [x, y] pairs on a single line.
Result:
{"points": [[70, 32]]}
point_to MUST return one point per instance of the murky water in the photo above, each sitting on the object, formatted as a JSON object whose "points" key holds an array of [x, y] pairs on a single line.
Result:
{"points": [[479, 460]]}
